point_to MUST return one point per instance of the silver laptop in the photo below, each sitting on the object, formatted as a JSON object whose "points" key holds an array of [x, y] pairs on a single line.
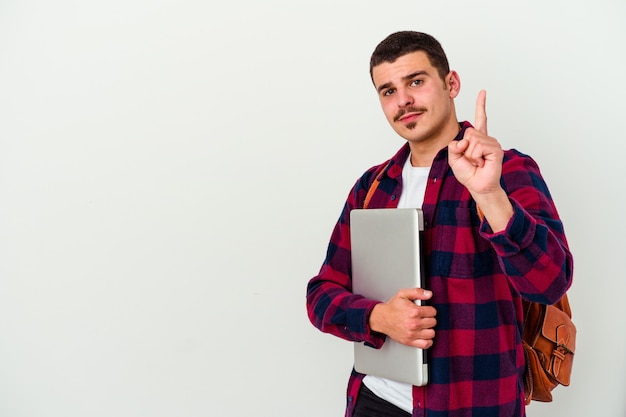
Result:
{"points": [[386, 257]]}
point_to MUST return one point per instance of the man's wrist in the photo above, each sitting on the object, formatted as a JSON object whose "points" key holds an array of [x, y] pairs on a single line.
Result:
{"points": [[496, 209], [374, 321]]}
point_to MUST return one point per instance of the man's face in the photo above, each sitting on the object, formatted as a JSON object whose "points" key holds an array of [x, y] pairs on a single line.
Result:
{"points": [[417, 103]]}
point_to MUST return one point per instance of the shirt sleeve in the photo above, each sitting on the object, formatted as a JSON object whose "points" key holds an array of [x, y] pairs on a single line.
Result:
{"points": [[532, 250], [331, 305]]}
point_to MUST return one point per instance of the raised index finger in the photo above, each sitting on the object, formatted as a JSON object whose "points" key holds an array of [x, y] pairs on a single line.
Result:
{"points": [[480, 122]]}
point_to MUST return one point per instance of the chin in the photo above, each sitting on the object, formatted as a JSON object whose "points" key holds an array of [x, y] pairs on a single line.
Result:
{"points": [[414, 135]]}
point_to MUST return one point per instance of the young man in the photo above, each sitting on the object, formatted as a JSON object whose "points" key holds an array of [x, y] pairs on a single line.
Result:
{"points": [[492, 237]]}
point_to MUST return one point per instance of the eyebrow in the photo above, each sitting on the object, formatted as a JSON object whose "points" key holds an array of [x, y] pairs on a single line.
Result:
{"points": [[405, 78]]}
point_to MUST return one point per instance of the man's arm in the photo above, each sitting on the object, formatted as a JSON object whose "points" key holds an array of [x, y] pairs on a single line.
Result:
{"points": [[333, 307], [520, 220]]}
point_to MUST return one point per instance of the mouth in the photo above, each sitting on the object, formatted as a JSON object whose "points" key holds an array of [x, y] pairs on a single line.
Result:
{"points": [[409, 115]]}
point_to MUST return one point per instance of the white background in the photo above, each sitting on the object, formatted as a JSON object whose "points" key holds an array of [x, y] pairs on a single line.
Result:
{"points": [[170, 172]]}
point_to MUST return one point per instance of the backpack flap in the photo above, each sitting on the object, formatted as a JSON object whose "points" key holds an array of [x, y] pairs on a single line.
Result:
{"points": [[560, 331]]}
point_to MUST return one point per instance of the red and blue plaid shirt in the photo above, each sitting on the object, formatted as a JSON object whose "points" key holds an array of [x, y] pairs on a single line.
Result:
{"points": [[478, 279]]}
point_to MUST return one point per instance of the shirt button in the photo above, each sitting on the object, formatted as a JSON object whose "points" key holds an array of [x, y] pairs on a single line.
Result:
{"points": [[393, 197]]}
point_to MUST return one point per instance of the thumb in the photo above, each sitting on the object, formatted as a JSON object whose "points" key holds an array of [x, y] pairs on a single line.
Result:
{"points": [[415, 294]]}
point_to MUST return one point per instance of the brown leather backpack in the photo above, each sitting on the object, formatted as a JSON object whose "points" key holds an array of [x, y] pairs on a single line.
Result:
{"points": [[549, 340]]}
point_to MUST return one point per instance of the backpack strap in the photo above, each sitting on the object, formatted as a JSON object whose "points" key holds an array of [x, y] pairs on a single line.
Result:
{"points": [[481, 215], [375, 184]]}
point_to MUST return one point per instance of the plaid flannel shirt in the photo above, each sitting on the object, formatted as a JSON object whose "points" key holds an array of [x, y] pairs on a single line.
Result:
{"points": [[477, 278]]}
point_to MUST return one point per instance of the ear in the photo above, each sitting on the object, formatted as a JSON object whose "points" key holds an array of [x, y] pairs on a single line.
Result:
{"points": [[453, 84]]}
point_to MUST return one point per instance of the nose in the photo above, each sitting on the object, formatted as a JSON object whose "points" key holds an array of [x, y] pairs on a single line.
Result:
{"points": [[404, 98]]}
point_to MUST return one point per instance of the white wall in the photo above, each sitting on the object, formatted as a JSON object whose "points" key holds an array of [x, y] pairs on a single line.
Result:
{"points": [[170, 172]]}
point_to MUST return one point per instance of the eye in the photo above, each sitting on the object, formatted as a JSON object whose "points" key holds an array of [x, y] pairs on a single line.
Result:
{"points": [[389, 92], [416, 82]]}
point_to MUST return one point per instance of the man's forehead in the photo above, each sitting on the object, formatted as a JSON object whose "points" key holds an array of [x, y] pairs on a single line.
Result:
{"points": [[403, 67]]}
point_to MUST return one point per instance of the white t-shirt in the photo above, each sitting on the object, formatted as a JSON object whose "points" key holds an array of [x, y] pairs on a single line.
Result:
{"points": [[414, 181]]}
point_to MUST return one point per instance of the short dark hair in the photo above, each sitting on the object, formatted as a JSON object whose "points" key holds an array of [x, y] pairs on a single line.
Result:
{"points": [[401, 43]]}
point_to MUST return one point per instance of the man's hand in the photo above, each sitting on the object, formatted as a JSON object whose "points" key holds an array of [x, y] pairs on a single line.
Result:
{"points": [[404, 321], [476, 161]]}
